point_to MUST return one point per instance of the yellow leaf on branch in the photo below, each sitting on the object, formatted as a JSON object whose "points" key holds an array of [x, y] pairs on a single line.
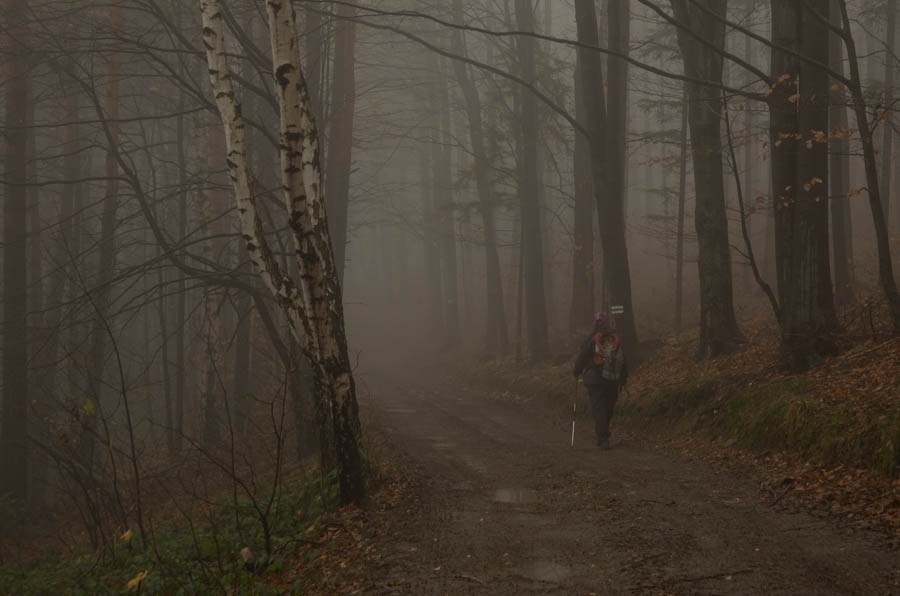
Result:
{"points": [[135, 582]]}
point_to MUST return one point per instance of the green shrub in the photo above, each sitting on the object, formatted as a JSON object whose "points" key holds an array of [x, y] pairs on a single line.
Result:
{"points": [[188, 556]]}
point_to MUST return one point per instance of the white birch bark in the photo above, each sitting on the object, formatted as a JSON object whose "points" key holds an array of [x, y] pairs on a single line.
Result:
{"points": [[313, 305]]}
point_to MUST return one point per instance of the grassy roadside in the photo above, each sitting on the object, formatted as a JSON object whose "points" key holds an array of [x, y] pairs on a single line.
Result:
{"points": [[846, 411]]}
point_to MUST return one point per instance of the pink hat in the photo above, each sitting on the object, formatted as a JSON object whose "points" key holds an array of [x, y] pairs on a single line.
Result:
{"points": [[601, 318]]}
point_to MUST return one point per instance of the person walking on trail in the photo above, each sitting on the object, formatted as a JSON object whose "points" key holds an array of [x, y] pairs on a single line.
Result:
{"points": [[601, 361]]}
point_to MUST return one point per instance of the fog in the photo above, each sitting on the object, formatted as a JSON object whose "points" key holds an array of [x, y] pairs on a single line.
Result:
{"points": [[491, 176]]}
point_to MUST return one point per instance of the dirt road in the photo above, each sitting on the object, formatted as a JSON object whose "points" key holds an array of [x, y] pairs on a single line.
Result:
{"points": [[506, 506]]}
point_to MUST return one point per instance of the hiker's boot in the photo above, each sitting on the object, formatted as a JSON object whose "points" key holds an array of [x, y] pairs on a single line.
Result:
{"points": [[603, 444]]}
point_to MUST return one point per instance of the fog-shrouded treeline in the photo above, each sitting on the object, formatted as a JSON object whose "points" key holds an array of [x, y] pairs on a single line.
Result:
{"points": [[224, 219]]}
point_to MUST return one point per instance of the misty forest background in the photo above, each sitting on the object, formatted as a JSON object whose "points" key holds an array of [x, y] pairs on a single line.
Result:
{"points": [[494, 171]]}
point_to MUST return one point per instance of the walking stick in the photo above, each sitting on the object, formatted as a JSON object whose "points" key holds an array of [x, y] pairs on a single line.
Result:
{"points": [[574, 407]]}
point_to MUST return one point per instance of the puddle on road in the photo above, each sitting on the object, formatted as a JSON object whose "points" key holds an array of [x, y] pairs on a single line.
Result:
{"points": [[443, 445], [547, 571], [439, 442], [395, 410], [515, 495]]}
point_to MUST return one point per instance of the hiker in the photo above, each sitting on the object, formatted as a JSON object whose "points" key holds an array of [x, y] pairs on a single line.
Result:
{"points": [[602, 362]]}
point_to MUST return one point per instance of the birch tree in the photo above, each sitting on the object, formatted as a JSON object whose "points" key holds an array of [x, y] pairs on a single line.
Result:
{"points": [[312, 304]]}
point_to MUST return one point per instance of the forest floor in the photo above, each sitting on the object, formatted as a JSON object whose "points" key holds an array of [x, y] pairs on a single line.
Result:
{"points": [[481, 492]]}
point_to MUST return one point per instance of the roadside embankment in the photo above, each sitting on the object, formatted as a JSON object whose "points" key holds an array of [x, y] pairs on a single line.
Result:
{"points": [[827, 439]]}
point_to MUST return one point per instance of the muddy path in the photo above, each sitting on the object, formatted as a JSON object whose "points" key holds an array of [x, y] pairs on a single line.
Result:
{"points": [[504, 505]]}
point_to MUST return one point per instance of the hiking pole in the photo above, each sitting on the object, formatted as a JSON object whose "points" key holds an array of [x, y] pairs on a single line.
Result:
{"points": [[574, 407]]}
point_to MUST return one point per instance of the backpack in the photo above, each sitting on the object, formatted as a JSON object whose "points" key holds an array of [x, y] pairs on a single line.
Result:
{"points": [[609, 357]]}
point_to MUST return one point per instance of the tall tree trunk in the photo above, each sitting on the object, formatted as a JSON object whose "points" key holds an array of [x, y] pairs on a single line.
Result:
{"points": [[97, 351], [612, 209], [35, 238], [340, 141], [445, 212], [749, 160], [607, 169], [808, 307], [719, 332], [882, 240], [13, 432], [213, 332], [313, 304], [583, 250], [242, 354], [682, 199], [165, 357], [799, 106], [65, 250], [839, 171], [784, 129], [497, 334], [315, 40], [431, 244], [532, 243], [175, 433], [887, 125]]}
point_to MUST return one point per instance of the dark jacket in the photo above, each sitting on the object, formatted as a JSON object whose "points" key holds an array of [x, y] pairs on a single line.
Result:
{"points": [[594, 374]]}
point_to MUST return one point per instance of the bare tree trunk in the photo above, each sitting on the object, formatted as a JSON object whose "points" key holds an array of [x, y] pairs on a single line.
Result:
{"points": [[13, 434], [784, 130], [35, 238], [885, 267], [532, 243], [313, 304], [607, 169], [242, 353], [583, 250], [887, 125], [315, 40], [839, 170], [719, 332], [808, 308], [682, 198], [213, 324], [175, 433], [340, 142], [497, 335], [612, 209], [749, 170], [107, 262], [65, 251], [799, 106], [165, 357], [445, 212], [430, 243]]}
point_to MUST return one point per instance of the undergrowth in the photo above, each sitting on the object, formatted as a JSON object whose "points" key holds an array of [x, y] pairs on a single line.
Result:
{"points": [[781, 414], [198, 553]]}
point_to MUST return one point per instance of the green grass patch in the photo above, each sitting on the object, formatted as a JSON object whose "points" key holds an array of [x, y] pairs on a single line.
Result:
{"points": [[199, 553], [784, 414], [668, 405]]}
